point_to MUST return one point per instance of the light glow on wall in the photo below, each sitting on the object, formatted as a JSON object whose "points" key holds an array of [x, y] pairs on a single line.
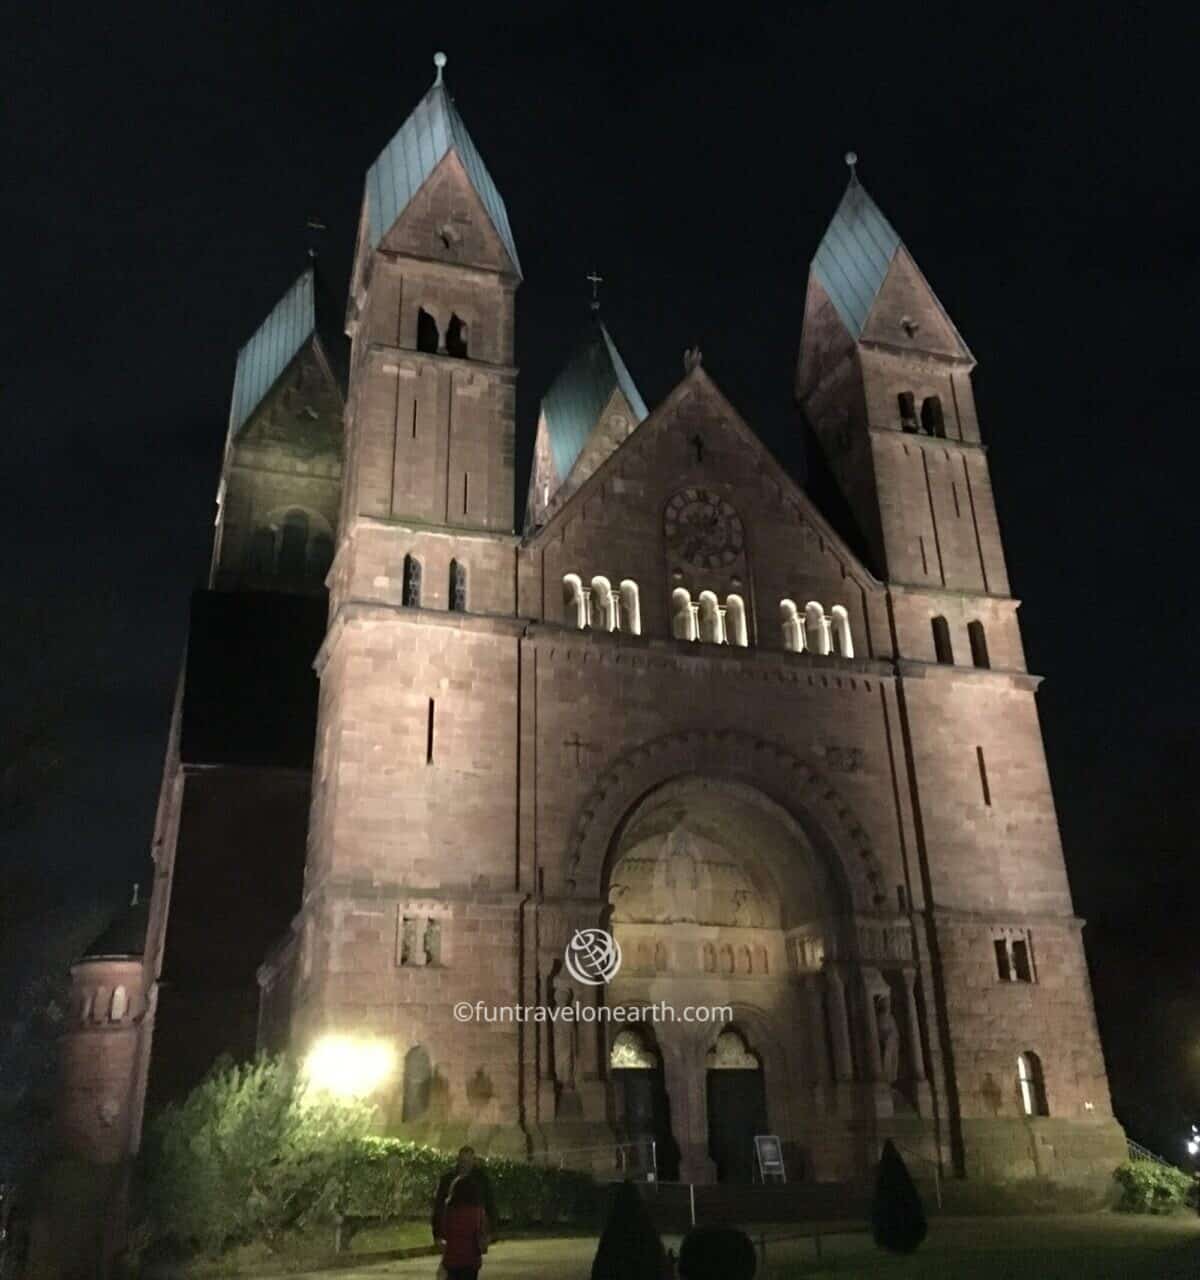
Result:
{"points": [[349, 1066]]}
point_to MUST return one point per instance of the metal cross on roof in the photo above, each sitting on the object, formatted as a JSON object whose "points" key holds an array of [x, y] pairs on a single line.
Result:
{"points": [[596, 281]]}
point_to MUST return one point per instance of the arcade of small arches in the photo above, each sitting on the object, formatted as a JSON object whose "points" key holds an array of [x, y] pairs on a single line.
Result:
{"points": [[448, 339], [707, 619], [98, 1005]]}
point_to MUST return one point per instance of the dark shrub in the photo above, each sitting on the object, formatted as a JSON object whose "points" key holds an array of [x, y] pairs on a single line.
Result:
{"points": [[717, 1253], [629, 1246], [897, 1215]]}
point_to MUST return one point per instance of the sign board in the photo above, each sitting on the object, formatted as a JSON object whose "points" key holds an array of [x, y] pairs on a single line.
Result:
{"points": [[769, 1151]]}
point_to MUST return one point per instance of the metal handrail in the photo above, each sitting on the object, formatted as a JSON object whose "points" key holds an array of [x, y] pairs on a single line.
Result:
{"points": [[1138, 1152]]}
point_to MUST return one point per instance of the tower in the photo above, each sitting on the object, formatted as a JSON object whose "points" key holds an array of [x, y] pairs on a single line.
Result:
{"points": [[885, 380], [411, 886]]}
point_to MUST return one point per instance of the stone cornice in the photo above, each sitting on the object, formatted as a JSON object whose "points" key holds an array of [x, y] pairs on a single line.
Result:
{"points": [[965, 363], [964, 593], [928, 442], [362, 890], [376, 348], [913, 670], [404, 524], [1014, 919], [395, 257]]}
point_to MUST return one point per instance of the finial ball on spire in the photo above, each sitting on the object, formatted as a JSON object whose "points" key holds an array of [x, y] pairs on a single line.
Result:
{"points": [[852, 159], [439, 61]]}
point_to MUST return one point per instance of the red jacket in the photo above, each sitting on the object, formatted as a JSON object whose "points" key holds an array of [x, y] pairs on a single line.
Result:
{"points": [[463, 1228]]}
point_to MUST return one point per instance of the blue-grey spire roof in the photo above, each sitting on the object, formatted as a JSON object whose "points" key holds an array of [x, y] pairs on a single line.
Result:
{"points": [[433, 129], [576, 398], [298, 316], [854, 256]]}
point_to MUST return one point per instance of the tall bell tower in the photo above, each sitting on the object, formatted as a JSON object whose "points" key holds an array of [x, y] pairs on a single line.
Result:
{"points": [[885, 380], [431, 319]]}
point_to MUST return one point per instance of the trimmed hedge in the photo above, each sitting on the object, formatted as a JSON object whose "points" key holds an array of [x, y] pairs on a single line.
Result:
{"points": [[1149, 1187]]}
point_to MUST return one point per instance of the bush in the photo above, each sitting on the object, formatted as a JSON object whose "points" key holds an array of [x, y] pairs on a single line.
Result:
{"points": [[1149, 1187], [251, 1154], [897, 1215], [717, 1253]]}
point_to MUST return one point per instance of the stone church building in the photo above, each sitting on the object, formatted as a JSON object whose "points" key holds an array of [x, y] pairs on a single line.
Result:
{"points": [[795, 769]]}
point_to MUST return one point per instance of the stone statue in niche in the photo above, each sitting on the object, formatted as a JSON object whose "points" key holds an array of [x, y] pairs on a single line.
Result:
{"points": [[682, 878], [564, 1033], [889, 1038]]}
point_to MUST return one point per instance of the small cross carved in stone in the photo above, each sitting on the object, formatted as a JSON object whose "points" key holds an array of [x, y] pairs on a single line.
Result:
{"points": [[579, 747]]}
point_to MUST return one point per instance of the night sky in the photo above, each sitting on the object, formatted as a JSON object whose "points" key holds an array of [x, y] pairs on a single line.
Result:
{"points": [[1039, 162]]}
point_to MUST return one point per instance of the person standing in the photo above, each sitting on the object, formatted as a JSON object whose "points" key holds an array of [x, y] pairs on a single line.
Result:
{"points": [[464, 1167], [464, 1229]]}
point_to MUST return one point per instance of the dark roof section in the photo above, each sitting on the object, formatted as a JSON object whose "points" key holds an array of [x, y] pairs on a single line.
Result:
{"points": [[432, 130], [305, 312], [125, 937], [576, 398]]}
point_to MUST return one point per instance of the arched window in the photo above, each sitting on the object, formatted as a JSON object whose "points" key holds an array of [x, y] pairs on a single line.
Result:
{"points": [[683, 616], [660, 956], [262, 552], [736, 631], [793, 627], [710, 958], [85, 1006], [761, 964], [908, 411], [932, 421], [456, 337], [631, 608], [979, 651], [942, 648], [411, 588], [100, 1005], [575, 613], [744, 962], [712, 630], [458, 587], [418, 1077], [816, 628], [293, 547], [1031, 1084], [427, 332], [320, 556], [843, 642], [120, 1004], [726, 959], [604, 605]]}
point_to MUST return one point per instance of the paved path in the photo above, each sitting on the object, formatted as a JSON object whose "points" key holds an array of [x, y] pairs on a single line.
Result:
{"points": [[569, 1259]]}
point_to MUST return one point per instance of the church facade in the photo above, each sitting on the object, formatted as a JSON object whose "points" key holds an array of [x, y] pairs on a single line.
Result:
{"points": [[797, 780]]}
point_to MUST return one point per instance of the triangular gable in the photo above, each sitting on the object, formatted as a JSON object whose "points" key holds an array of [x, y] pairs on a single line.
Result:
{"points": [[905, 297], [873, 282], [576, 399], [664, 418], [421, 143]]}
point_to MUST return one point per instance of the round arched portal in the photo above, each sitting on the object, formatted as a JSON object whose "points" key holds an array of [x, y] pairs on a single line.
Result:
{"points": [[736, 1105], [720, 903], [640, 1098]]}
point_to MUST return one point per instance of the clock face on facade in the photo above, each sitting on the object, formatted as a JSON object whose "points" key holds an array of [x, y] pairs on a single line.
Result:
{"points": [[703, 529]]}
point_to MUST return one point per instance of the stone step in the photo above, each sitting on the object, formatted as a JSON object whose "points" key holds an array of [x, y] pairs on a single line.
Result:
{"points": [[669, 1203]]}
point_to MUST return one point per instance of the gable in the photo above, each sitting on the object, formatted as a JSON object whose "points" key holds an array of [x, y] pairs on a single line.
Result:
{"points": [[659, 458], [446, 220], [905, 296], [301, 416], [431, 132]]}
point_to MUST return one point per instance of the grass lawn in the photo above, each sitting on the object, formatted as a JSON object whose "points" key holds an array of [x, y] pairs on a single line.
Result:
{"points": [[1107, 1246]]}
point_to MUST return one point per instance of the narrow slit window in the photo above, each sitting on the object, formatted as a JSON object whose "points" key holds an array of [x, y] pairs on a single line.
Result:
{"points": [[1022, 960], [1003, 964], [428, 338], [908, 410], [429, 733], [983, 778], [943, 651], [466, 490], [979, 649], [924, 557], [414, 420], [932, 421], [954, 494]]}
